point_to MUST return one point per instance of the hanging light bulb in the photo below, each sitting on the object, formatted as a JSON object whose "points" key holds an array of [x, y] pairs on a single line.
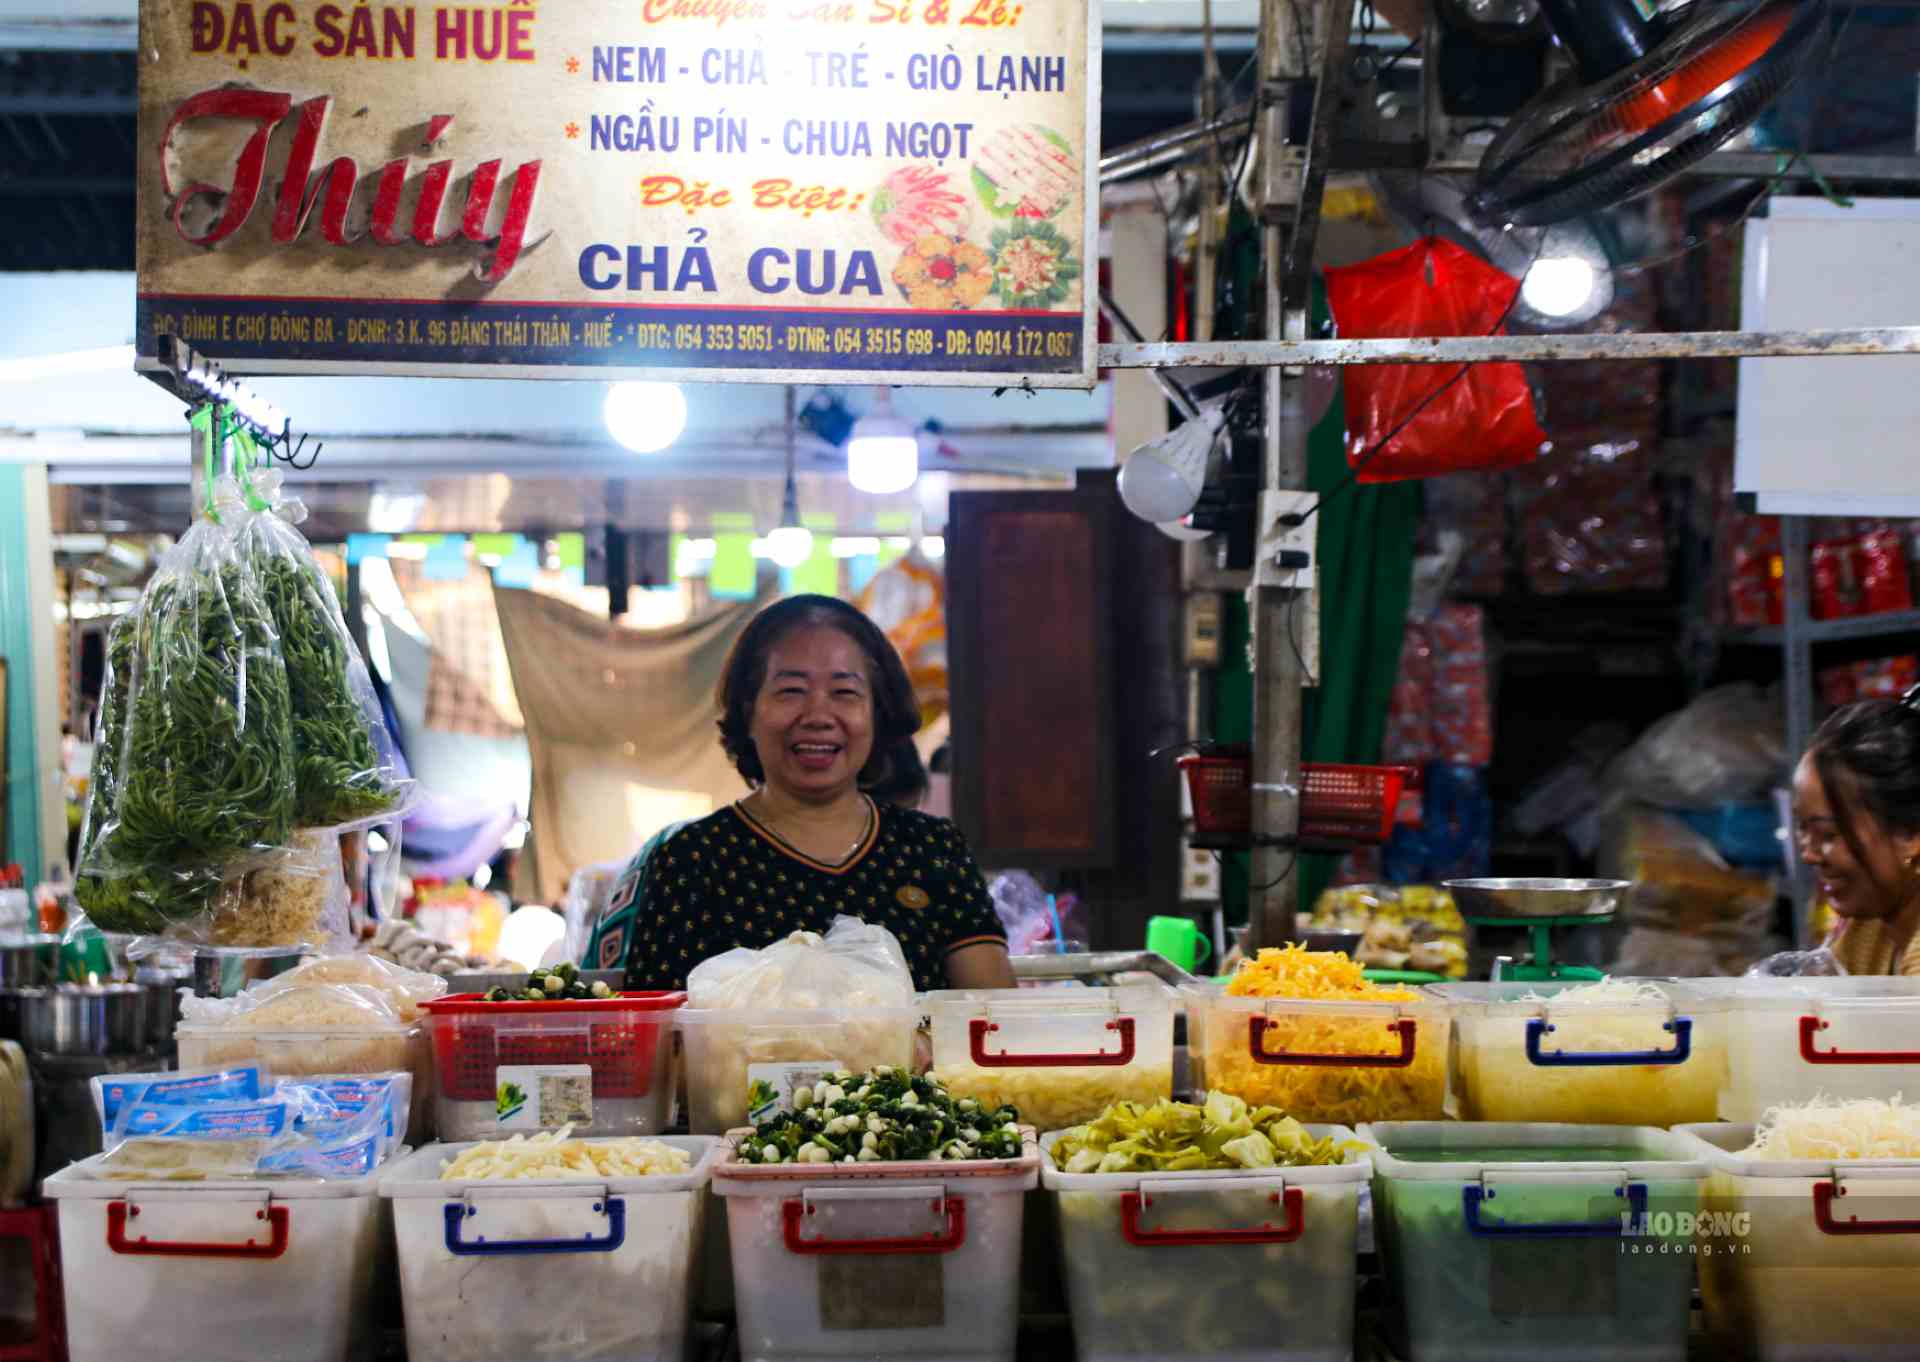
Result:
{"points": [[1161, 480], [883, 453], [645, 417], [791, 543]]}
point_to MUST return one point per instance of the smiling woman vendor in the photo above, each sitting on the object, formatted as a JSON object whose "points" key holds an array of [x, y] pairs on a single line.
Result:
{"points": [[812, 701], [1856, 812]]}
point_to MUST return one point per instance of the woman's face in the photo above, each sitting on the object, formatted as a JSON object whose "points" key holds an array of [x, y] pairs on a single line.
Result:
{"points": [[1876, 889], [813, 718]]}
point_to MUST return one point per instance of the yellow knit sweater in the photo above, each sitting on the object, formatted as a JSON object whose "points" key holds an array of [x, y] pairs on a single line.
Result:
{"points": [[1870, 946]]}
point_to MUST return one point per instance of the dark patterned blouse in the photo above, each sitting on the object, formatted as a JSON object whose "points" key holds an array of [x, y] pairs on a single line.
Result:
{"points": [[728, 880]]}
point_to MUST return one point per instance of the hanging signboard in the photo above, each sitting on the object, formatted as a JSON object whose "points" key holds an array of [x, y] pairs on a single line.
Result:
{"points": [[898, 191]]}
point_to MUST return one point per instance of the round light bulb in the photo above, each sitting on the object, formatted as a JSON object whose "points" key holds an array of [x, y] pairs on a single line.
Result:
{"points": [[1559, 285], [645, 417], [1180, 530], [883, 456], [790, 545]]}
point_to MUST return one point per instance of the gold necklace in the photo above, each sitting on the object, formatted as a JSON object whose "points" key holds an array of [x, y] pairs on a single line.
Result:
{"points": [[866, 825]]}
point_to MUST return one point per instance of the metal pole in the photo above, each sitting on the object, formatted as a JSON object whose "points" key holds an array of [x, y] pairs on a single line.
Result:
{"points": [[1643, 345], [1797, 655]]}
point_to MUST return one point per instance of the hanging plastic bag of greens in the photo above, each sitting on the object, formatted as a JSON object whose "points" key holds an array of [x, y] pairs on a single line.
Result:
{"points": [[346, 770], [103, 783], [197, 844]]}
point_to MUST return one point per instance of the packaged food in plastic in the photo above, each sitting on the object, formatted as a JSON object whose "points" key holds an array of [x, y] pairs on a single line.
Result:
{"points": [[1880, 566], [1474, 506], [203, 778], [402, 989], [1756, 573], [346, 1100], [1416, 420], [290, 1132], [1835, 590], [1462, 696], [760, 1022], [111, 1092], [346, 769], [855, 964], [1591, 518], [110, 739], [1624, 394], [1408, 740]]}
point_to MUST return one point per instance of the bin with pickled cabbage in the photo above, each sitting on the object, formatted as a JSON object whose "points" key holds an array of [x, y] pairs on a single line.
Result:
{"points": [[1210, 1231], [1639, 1052], [1062, 1056], [1306, 1032], [1811, 1237]]}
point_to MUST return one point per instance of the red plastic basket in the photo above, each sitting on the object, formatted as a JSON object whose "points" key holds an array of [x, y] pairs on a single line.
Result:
{"points": [[1222, 798], [1350, 803], [617, 1037], [1345, 804]]}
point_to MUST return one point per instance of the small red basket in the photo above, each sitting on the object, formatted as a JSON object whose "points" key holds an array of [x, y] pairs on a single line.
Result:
{"points": [[618, 1037], [1352, 805]]}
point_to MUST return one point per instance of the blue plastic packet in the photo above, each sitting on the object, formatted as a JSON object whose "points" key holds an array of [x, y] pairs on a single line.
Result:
{"points": [[191, 1088]]}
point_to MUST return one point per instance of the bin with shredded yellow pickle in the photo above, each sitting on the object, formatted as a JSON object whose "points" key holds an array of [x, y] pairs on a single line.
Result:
{"points": [[1059, 1056], [549, 1247], [1346, 1052]]}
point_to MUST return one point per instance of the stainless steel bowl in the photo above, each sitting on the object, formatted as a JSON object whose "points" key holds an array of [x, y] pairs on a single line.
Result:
{"points": [[1536, 897], [29, 961], [85, 1019]]}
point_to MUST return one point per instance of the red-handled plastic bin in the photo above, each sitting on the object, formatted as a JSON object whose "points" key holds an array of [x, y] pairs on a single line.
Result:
{"points": [[1239, 1263], [918, 1260], [601, 1065], [267, 1270]]}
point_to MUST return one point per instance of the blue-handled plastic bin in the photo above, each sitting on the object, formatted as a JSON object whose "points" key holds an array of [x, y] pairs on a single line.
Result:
{"points": [[494, 1268], [1639, 1052], [1535, 1243]]}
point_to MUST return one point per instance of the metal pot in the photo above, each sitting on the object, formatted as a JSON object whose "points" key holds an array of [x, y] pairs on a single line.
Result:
{"points": [[29, 961], [90, 1019]]}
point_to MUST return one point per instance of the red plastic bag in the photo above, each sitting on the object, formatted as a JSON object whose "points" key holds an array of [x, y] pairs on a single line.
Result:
{"points": [[1880, 565], [1484, 421]]}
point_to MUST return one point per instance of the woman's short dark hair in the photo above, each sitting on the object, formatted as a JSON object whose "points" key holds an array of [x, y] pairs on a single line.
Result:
{"points": [[1868, 757], [896, 714]]}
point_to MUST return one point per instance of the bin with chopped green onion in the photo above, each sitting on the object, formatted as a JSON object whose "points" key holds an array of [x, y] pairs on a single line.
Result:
{"points": [[885, 1115]]}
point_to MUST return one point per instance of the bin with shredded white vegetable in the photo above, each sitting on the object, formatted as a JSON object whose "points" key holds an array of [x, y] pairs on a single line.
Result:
{"points": [[1633, 1052], [1791, 1040], [917, 1259], [229, 1270], [1061, 1057], [1810, 1240], [532, 1250]]}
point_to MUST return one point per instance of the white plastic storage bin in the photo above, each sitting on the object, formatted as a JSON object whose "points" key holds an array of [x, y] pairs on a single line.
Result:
{"points": [[730, 1050], [279, 1270], [1535, 1243], [1234, 1264], [1060, 1057], [905, 1260], [296, 1054], [563, 1269], [1808, 1261], [1341, 1063], [1522, 1054], [601, 1065], [1791, 1040]]}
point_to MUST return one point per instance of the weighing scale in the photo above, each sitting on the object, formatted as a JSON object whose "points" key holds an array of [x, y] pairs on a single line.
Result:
{"points": [[1541, 907]]}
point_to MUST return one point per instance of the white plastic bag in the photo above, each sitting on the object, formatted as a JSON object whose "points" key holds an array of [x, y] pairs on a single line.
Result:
{"points": [[854, 965]]}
